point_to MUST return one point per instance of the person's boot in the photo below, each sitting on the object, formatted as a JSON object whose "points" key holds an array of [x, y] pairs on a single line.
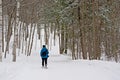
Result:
{"points": [[42, 67], [46, 66]]}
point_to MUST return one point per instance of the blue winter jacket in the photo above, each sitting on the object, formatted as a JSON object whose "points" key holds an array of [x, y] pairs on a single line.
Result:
{"points": [[42, 50]]}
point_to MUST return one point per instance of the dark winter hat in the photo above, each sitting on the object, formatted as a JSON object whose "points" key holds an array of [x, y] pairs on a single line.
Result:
{"points": [[43, 45]]}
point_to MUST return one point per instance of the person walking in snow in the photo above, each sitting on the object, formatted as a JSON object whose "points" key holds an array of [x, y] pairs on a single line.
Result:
{"points": [[44, 55]]}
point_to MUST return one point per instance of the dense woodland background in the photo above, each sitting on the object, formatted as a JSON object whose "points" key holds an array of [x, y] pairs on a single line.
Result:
{"points": [[89, 29]]}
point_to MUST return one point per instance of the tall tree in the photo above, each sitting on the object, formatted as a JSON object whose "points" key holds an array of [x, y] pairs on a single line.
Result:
{"points": [[0, 30]]}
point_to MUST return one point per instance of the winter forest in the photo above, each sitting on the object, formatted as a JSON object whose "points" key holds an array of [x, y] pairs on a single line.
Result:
{"points": [[86, 29]]}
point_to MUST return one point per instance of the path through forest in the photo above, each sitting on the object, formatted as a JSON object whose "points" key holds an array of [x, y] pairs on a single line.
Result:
{"points": [[60, 67]]}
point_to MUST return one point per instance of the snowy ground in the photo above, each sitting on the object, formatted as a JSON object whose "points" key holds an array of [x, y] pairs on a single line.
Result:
{"points": [[60, 67]]}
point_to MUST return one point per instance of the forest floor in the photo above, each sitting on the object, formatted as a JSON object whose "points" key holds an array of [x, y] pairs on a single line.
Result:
{"points": [[60, 67]]}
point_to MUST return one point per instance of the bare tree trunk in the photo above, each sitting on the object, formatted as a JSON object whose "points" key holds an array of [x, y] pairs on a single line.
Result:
{"points": [[46, 34], [28, 47], [32, 40], [73, 44], [8, 35], [58, 26], [90, 46], [62, 39], [2, 28], [0, 32], [14, 44], [20, 37], [66, 39], [38, 30], [82, 35], [96, 43], [23, 38]]}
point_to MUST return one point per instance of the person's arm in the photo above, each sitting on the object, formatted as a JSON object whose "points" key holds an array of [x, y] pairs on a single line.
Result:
{"points": [[40, 52], [47, 51]]}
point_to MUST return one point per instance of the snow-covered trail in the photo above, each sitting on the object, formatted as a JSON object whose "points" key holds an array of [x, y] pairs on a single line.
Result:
{"points": [[60, 67]]}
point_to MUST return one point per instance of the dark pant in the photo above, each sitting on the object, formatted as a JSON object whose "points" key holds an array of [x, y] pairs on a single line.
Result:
{"points": [[44, 62]]}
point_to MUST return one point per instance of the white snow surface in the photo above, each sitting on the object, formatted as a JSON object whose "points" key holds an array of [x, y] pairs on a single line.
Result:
{"points": [[60, 67]]}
